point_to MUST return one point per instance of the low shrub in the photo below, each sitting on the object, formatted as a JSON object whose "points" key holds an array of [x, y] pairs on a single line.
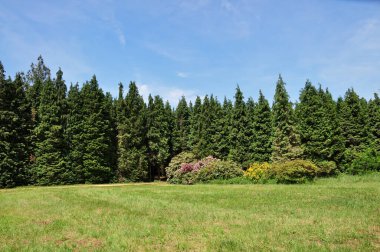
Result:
{"points": [[177, 161], [258, 172], [294, 171], [326, 168], [219, 169], [367, 161]]}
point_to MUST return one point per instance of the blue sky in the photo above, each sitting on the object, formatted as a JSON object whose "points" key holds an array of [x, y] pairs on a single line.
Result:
{"points": [[198, 47]]}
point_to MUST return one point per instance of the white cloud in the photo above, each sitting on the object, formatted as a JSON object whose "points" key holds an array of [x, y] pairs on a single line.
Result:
{"points": [[182, 74], [169, 93]]}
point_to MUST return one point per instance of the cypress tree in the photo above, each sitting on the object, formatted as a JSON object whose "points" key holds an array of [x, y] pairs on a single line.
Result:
{"points": [[286, 142], [181, 127], [132, 160], [261, 146]]}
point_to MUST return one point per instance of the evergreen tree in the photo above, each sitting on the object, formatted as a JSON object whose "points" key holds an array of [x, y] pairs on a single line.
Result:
{"points": [[15, 122], [286, 141], [214, 130], [37, 76], [97, 134], [250, 130], [158, 136], [238, 138], [132, 160], [374, 121], [223, 129], [169, 114], [182, 127], [261, 145], [50, 167], [74, 136], [196, 127], [310, 115]]}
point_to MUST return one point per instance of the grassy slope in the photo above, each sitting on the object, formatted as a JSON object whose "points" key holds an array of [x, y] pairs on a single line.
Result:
{"points": [[332, 214]]}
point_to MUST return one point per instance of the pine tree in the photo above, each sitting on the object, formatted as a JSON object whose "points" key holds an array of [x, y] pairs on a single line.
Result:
{"points": [[238, 138], [182, 127], [132, 160], [286, 142], [250, 129], [215, 130], [15, 122], [169, 115], [50, 167], [261, 146], [158, 136]]}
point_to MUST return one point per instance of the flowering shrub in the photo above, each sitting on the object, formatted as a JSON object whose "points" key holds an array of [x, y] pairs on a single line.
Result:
{"points": [[258, 171], [204, 170], [176, 163]]}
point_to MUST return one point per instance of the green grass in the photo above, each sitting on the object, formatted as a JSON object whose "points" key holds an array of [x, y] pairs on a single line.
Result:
{"points": [[341, 214]]}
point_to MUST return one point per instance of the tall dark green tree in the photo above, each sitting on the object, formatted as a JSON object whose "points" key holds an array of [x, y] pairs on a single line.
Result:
{"points": [[181, 131], [238, 138], [261, 145], [37, 76], [50, 167], [15, 124], [196, 127], [132, 142], [74, 136], [223, 129], [158, 136], [374, 121], [286, 141]]}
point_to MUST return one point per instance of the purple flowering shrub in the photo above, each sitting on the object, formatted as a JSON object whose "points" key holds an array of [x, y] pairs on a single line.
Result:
{"points": [[203, 170]]}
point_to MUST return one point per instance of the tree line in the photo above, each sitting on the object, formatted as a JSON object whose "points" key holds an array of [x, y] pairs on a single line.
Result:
{"points": [[50, 135]]}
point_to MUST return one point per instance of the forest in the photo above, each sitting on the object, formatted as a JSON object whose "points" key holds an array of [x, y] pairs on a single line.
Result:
{"points": [[52, 134]]}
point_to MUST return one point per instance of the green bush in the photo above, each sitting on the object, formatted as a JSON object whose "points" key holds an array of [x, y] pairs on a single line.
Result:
{"points": [[294, 171], [219, 169], [175, 163], [258, 172], [366, 161], [326, 168]]}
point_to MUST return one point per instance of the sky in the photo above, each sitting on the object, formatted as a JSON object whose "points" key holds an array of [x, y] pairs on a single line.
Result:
{"points": [[197, 47]]}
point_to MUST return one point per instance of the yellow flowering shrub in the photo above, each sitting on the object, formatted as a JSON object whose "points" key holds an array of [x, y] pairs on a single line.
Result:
{"points": [[258, 171]]}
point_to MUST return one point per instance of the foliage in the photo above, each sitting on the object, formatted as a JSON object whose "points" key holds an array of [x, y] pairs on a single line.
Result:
{"points": [[366, 161], [177, 161], [294, 171], [219, 169], [326, 168], [258, 172]]}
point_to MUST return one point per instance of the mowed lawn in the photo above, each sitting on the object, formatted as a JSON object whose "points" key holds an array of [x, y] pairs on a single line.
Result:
{"points": [[340, 214]]}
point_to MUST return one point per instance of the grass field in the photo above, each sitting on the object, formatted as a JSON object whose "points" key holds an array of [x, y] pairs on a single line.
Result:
{"points": [[340, 214]]}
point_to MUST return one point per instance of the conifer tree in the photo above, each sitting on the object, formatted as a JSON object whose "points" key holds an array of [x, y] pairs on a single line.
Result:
{"points": [[182, 127], [238, 138], [374, 121], [50, 167], [196, 127], [250, 128], [132, 160], [286, 142], [97, 134], [223, 130], [169, 115], [158, 136], [214, 130], [74, 136], [261, 146], [15, 122]]}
